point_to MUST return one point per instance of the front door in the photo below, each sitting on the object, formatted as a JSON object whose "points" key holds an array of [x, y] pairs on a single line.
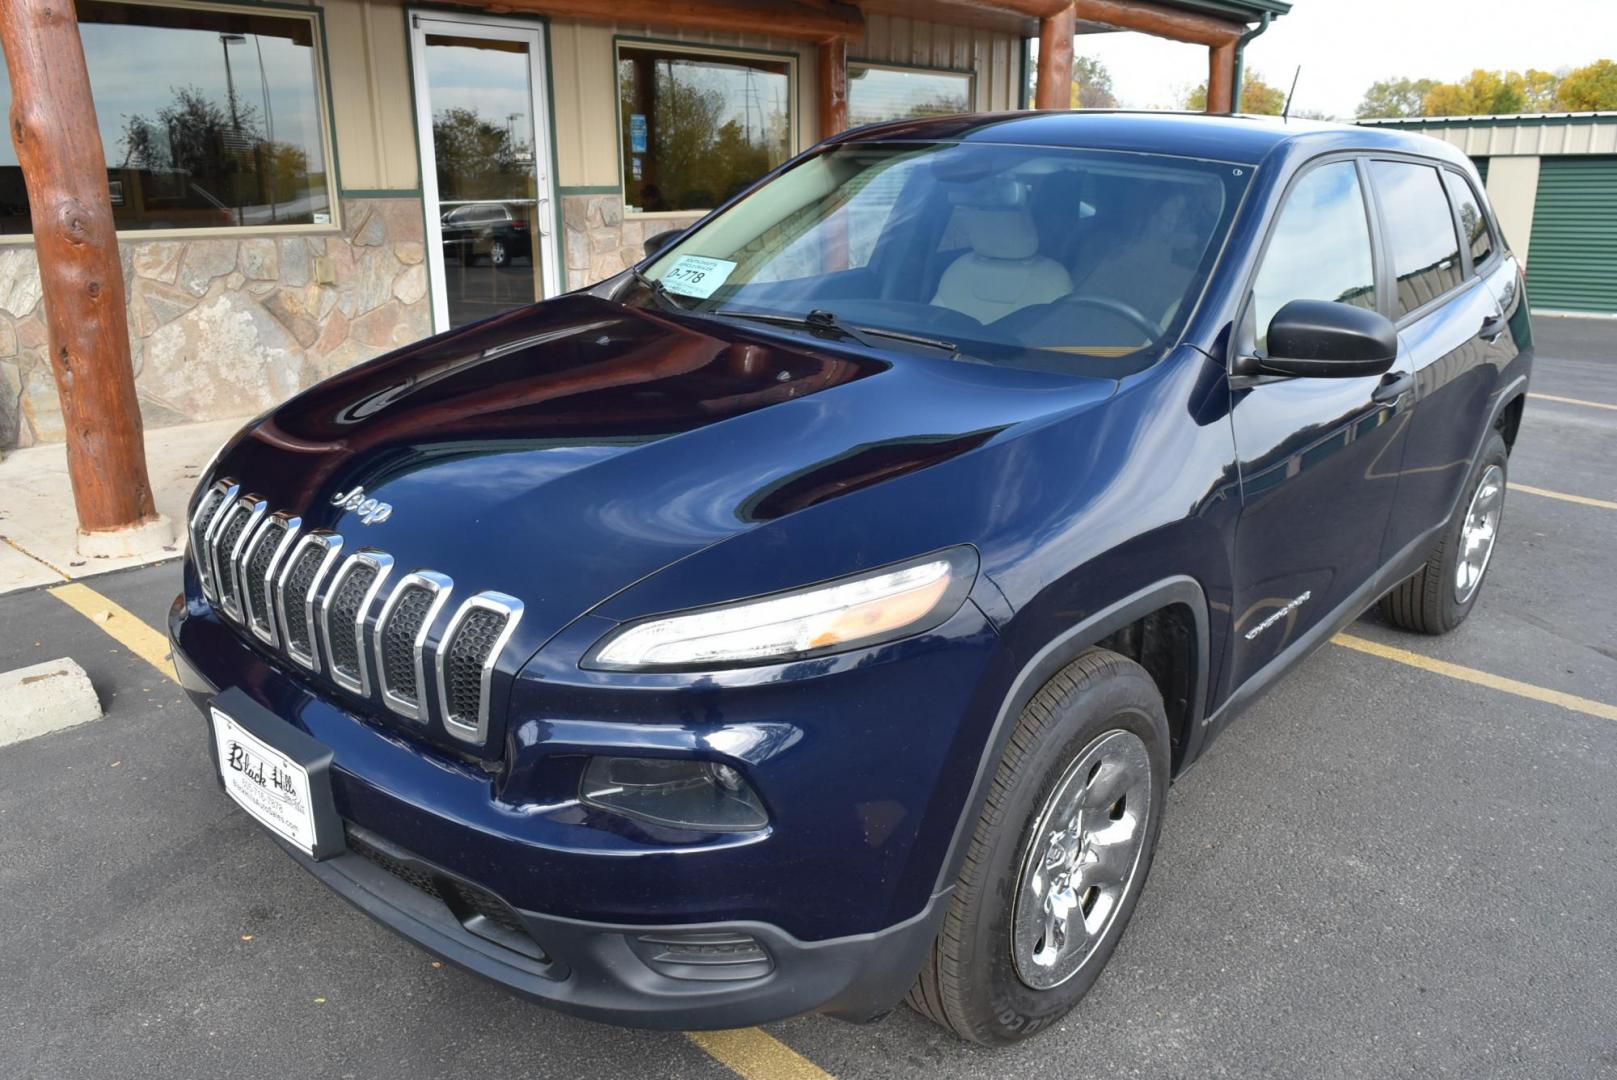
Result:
{"points": [[482, 123], [1319, 457]]}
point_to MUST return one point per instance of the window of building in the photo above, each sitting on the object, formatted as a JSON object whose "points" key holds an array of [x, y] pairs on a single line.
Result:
{"points": [[877, 93], [1472, 222], [1420, 231], [209, 118], [1320, 248], [699, 127]]}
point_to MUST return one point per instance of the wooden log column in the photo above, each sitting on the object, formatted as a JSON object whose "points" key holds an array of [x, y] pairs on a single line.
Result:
{"points": [[53, 126], [1054, 87], [1221, 78], [833, 87]]}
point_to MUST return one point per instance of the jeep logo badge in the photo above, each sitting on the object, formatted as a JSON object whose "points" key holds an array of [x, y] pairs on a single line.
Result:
{"points": [[370, 511]]}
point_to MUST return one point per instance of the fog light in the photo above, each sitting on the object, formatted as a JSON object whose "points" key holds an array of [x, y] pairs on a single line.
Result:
{"points": [[672, 791]]}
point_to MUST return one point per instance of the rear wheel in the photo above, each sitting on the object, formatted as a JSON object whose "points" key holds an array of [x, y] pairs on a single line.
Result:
{"points": [[1058, 858], [497, 255], [1439, 595]]}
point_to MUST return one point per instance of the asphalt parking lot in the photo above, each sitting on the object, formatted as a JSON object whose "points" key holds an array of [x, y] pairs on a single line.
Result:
{"points": [[1396, 864]]}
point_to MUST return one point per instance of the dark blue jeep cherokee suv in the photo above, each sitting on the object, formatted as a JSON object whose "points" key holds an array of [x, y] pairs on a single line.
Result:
{"points": [[817, 612]]}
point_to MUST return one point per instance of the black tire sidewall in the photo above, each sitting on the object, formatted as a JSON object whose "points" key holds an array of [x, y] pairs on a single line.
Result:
{"points": [[1002, 1006], [1453, 611]]}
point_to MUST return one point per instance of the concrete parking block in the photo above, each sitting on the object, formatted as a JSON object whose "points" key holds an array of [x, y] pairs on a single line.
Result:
{"points": [[42, 698]]}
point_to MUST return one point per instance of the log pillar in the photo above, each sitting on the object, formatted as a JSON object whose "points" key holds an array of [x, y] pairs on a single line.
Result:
{"points": [[833, 87], [53, 126], [1221, 77], [1054, 87]]}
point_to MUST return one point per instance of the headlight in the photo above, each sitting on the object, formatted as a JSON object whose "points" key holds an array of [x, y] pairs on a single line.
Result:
{"points": [[831, 617]]}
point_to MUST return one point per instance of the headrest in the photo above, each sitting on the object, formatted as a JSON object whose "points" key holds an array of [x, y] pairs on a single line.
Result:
{"points": [[999, 234]]}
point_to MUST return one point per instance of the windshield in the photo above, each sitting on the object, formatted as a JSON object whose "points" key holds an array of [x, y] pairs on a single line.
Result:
{"points": [[1073, 260]]}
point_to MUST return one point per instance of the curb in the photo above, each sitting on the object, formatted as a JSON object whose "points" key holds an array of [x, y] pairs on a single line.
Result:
{"points": [[43, 698]]}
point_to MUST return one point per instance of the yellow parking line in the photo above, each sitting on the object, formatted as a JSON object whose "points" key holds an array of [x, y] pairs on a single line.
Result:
{"points": [[128, 630], [1581, 500], [1573, 401], [757, 1055], [1481, 678]]}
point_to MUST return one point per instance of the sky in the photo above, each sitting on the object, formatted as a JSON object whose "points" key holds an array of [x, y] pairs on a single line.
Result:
{"points": [[1345, 45]]}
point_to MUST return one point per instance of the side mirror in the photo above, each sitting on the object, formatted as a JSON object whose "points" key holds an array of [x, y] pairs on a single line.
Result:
{"points": [[1323, 339], [657, 241]]}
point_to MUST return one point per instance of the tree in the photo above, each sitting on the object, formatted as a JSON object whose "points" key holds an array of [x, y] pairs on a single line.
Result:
{"points": [[1482, 93], [1257, 96], [476, 157], [1589, 88], [1395, 97], [1091, 84], [1540, 88]]}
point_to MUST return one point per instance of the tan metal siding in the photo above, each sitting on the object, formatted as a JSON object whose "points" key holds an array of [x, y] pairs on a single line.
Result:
{"points": [[368, 47], [996, 58]]}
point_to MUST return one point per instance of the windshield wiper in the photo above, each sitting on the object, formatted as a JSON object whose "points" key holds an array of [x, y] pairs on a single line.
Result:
{"points": [[820, 320], [657, 290]]}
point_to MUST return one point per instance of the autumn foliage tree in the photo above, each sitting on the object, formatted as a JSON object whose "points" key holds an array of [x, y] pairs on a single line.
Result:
{"points": [[1257, 96], [1492, 93]]}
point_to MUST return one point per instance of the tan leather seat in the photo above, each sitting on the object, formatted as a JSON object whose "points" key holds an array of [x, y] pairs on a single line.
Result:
{"points": [[1003, 272]]}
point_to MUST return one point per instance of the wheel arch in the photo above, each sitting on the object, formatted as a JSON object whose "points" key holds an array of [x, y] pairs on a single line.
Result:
{"points": [[1164, 626]]}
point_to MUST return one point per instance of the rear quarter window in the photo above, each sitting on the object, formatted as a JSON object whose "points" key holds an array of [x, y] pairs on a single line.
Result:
{"points": [[1473, 222], [1420, 231]]}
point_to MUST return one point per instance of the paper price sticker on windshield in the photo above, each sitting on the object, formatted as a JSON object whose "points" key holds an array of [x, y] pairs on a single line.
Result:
{"points": [[697, 275]]}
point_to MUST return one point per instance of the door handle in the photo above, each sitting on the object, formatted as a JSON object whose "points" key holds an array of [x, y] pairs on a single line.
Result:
{"points": [[1394, 385], [1492, 327]]}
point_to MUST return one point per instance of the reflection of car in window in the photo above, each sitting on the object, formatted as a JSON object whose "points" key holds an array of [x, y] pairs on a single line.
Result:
{"points": [[817, 612], [486, 232]]}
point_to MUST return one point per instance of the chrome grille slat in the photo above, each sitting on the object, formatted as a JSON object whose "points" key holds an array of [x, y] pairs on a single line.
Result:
{"points": [[401, 640], [237, 526], [467, 655], [203, 523], [305, 568], [260, 560], [350, 598]]}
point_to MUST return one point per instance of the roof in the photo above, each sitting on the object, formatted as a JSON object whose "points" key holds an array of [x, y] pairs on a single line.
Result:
{"points": [[1241, 139]]}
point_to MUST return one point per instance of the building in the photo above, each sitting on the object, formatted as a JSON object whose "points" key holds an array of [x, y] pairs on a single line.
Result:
{"points": [[1552, 179], [299, 186]]}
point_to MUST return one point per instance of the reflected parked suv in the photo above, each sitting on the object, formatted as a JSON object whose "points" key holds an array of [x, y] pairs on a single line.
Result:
{"points": [[485, 231], [815, 614]]}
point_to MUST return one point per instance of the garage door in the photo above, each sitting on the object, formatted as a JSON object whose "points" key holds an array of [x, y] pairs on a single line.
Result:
{"points": [[1572, 258]]}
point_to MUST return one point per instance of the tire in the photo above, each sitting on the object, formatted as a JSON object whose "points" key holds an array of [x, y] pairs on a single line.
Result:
{"points": [[1433, 600], [973, 982], [497, 255]]}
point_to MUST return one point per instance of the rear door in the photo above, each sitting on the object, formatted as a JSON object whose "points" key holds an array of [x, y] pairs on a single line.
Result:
{"points": [[1450, 326], [1318, 457]]}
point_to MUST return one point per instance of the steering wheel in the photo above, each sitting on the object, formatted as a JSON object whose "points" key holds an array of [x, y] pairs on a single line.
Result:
{"points": [[1117, 307]]}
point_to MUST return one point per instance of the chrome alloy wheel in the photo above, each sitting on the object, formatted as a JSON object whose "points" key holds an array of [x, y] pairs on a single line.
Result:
{"points": [[1478, 533], [1083, 859]]}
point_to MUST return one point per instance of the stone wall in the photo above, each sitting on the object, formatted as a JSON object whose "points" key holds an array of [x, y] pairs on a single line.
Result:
{"points": [[601, 241], [227, 326]]}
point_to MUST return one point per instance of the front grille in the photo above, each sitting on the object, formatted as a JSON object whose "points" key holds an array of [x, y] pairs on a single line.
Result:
{"points": [[473, 643], [344, 624], [257, 570], [261, 571], [401, 639]]}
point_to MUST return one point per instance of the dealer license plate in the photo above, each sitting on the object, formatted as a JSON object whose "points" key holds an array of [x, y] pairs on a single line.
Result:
{"points": [[266, 783]]}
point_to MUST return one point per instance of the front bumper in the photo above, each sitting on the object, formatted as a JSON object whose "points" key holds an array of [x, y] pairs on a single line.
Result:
{"points": [[430, 855]]}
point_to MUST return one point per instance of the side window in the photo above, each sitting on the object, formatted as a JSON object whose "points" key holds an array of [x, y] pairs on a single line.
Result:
{"points": [[1472, 222], [1420, 231], [1320, 248]]}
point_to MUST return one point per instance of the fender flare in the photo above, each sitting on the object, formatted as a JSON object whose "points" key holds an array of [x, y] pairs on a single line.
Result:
{"points": [[1057, 654]]}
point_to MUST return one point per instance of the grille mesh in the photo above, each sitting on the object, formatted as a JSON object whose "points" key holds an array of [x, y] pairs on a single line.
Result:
{"points": [[297, 588], [344, 611], [199, 527], [398, 640], [223, 545], [463, 670], [256, 576]]}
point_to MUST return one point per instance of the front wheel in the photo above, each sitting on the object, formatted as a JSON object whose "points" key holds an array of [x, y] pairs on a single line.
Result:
{"points": [[1058, 858], [1439, 595]]}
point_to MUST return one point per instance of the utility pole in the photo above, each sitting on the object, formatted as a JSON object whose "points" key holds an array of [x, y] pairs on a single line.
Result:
{"points": [[64, 168]]}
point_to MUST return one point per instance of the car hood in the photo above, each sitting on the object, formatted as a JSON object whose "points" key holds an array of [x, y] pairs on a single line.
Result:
{"points": [[565, 451]]}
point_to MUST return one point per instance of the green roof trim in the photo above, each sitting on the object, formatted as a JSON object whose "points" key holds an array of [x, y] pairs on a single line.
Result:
{"points": [[1235, 10], [1518, 120]]}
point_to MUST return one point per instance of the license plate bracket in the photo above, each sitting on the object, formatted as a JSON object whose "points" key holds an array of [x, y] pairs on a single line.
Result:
{"points": [[277, 773]]}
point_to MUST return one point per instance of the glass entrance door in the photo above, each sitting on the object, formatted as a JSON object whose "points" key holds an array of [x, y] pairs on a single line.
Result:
{"points": [[481, 119]]}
